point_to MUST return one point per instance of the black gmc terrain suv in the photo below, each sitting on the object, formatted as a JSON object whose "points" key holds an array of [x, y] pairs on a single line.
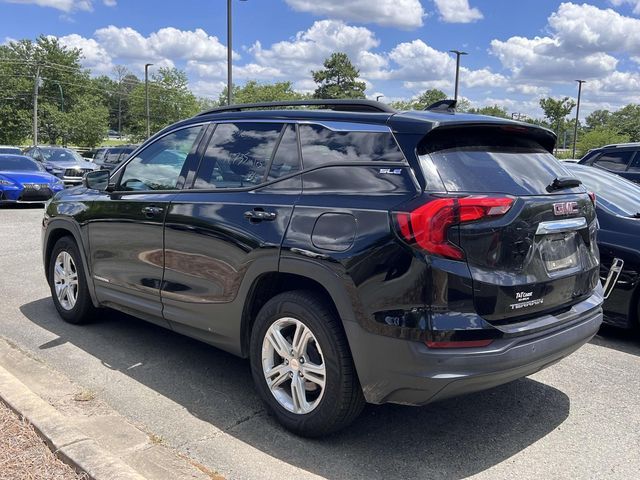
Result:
{"points": [[353, 253]]}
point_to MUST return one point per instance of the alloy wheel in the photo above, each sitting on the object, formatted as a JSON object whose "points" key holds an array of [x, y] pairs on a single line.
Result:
{"points": [[65, 279], [293, 365]]}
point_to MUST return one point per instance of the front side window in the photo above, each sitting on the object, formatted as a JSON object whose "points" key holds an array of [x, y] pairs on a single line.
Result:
{"points": [[158, 167], [321, 146], [614, 161], [238, 155]]}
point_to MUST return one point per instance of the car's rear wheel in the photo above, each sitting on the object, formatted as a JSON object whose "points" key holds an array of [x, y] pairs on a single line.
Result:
{"points": [[68, 283], [302, 365]]}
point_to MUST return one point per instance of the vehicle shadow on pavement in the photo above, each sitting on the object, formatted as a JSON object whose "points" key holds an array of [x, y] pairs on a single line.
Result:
{"points": [[623, 340], [448, 440]]}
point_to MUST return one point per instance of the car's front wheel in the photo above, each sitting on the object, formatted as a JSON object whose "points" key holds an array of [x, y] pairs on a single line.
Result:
{"points": [[68, 283], [302, 365]]}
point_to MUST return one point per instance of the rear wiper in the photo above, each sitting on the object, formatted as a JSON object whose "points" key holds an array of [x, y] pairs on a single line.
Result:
{"points": [[561, 183]]}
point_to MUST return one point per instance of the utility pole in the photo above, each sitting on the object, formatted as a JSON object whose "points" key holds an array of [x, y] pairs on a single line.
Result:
{"points": [[36, 84], [229, 53], [120, 115], [458, 55], [61, 98], [575, 128], [146, 94]]}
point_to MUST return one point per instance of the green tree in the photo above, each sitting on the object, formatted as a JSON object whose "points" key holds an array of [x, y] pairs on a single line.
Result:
{"points": [[556, 111], [598, 119], [422, 101], [254, 92], [598, 137], [626, 121], [492, 110], [339, 79], [170, 100], [62, 92]]}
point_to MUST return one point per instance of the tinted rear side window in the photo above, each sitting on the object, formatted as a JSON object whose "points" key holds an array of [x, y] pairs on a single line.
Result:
{"points": [[494, 162], [238, 155], [286, 159], [321, 146], [614, 161]]}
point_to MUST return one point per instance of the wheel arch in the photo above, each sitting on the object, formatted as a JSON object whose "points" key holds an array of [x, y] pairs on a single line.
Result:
{"points": [[295, 274], [57, 229]]}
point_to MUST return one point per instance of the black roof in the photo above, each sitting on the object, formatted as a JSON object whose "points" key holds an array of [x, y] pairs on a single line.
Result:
{"points": [[369, 111]]}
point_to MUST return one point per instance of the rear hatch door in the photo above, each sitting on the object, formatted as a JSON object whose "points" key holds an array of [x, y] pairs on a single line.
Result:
{"points": [[541, 256]]}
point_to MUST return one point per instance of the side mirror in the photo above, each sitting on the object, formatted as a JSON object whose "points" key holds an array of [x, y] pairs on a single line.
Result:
{"points": [[97, 180]]}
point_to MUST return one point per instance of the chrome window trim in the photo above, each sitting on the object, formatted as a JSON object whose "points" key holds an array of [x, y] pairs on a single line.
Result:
{"points": [[333, 125]]}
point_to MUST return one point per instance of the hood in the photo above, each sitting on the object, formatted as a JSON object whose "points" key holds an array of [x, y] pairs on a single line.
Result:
{"points": [[71, 164], [29, 177]]}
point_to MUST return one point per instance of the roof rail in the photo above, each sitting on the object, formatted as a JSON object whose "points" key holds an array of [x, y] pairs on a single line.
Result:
{"points": [[443, 106], [370, 106], [620, 145]]}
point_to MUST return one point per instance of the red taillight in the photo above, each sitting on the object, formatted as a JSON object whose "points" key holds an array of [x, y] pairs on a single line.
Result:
{"points": [[427, 225], [592, 196], [462, 344]]}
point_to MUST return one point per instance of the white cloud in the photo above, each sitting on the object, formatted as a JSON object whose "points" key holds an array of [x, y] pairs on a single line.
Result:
{"points": [[64, 5], [110, 3], [419, 62], [457, 11], [587, 28], [127, 43], [581, 43], [634, 3], [391, 13], [95, 56], [296, 58]]}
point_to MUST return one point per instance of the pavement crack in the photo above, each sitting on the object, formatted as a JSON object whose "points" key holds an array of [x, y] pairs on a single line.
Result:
{"points": [[79, 440], [243, 420]]}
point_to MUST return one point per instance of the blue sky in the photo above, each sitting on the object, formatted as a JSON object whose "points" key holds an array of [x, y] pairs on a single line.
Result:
{"points": [[519, 50]]}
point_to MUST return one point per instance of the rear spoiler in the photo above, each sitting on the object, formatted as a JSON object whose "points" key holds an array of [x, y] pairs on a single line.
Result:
{"points": [[441, 136]]}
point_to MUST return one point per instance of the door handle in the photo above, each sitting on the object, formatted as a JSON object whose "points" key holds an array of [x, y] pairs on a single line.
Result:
{"points": [[152, 211], [259, 215]]}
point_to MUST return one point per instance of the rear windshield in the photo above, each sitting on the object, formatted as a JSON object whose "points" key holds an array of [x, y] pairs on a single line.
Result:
{"points": [[492, 162]]}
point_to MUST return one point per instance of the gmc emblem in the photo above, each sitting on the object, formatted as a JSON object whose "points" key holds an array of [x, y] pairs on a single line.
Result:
{"points": [[565, 208]]}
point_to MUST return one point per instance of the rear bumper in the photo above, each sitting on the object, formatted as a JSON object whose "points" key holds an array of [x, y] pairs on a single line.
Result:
{"points": [[407, 372]]}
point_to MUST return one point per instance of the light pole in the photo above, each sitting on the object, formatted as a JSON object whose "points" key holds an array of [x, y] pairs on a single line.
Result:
{"points": [[458, 55], [36, 85], [230, 53], [575, 128], [146, 95]]}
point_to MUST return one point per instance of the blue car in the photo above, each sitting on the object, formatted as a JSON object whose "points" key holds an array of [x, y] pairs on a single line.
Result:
{"points": [[23, 180]]}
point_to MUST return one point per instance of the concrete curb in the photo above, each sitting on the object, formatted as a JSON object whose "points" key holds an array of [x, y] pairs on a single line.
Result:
{"points": [[68, 443]]}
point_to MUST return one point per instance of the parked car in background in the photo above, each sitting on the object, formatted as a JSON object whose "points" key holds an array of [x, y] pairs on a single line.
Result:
{"points": [[24, 180], [622, 159], [109, 158], [64, 163], [352, 252], [618, 210], [11, 150]]}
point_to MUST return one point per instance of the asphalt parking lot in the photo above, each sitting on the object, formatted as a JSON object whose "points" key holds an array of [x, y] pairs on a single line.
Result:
{"points": [[577, 419]]}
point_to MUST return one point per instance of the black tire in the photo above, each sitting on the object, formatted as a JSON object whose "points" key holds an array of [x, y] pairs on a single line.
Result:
{"points": [[83, 310], [342, 400]]}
